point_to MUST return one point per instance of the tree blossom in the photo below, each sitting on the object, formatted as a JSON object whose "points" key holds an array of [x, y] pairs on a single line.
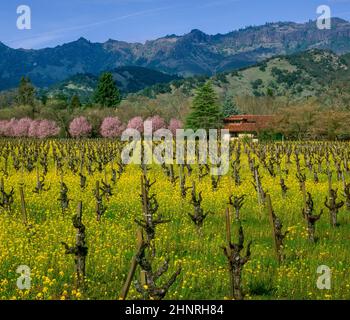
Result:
{"points": [[111, 127], [80, 127], [47, 128], [33, 129], [27, 127], [157, 123], [136, 123], [3, 127], [21, 127]]}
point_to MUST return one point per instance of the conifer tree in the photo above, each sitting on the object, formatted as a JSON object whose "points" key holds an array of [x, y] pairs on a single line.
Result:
{"points": [[229, 108], [107, 94], [75, 102], [205, 112], [26, 92]]}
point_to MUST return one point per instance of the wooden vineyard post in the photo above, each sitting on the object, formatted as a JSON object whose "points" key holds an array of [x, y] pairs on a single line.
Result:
{"points": [[23, 206], [144, 200], [228, 249], [257, 185], [148, 218], [132, 270], [230, 183]]}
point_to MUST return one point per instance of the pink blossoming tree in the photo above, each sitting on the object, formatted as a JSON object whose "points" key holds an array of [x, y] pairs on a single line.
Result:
{"points": [[10, 128], [157, 123], [111, 127], [21, 127], [33, 129], [3, 127], [47, 129], [80, 128], [136, 123], [26, 127]]}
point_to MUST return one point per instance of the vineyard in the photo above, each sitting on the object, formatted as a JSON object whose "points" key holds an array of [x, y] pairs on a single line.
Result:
{"points": [[89, 227]]}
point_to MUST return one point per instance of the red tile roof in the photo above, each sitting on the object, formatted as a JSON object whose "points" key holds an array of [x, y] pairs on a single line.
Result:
{"points": [[247, 123]]}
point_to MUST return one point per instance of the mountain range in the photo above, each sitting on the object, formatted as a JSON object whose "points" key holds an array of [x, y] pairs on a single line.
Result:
{"points": [[195, 53], [314, 73]]}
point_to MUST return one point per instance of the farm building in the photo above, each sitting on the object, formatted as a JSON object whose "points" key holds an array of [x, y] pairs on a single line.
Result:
{"points": [[246, 125]]}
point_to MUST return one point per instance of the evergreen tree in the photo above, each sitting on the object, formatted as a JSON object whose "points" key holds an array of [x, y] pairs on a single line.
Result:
{"points": [[107, 93], [43, 99], [269, 92], [205, 112], [26, 92], [229, 108], [75, 102]]}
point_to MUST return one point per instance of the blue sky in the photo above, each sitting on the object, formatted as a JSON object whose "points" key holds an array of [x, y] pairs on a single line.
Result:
{"points": [[57, 22]]}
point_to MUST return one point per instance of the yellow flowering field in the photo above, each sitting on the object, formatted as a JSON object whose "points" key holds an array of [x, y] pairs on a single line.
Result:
{"points": [[32, 235]]}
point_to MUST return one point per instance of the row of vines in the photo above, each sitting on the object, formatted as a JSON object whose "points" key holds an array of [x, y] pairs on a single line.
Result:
{"points": [[88, 226]]}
